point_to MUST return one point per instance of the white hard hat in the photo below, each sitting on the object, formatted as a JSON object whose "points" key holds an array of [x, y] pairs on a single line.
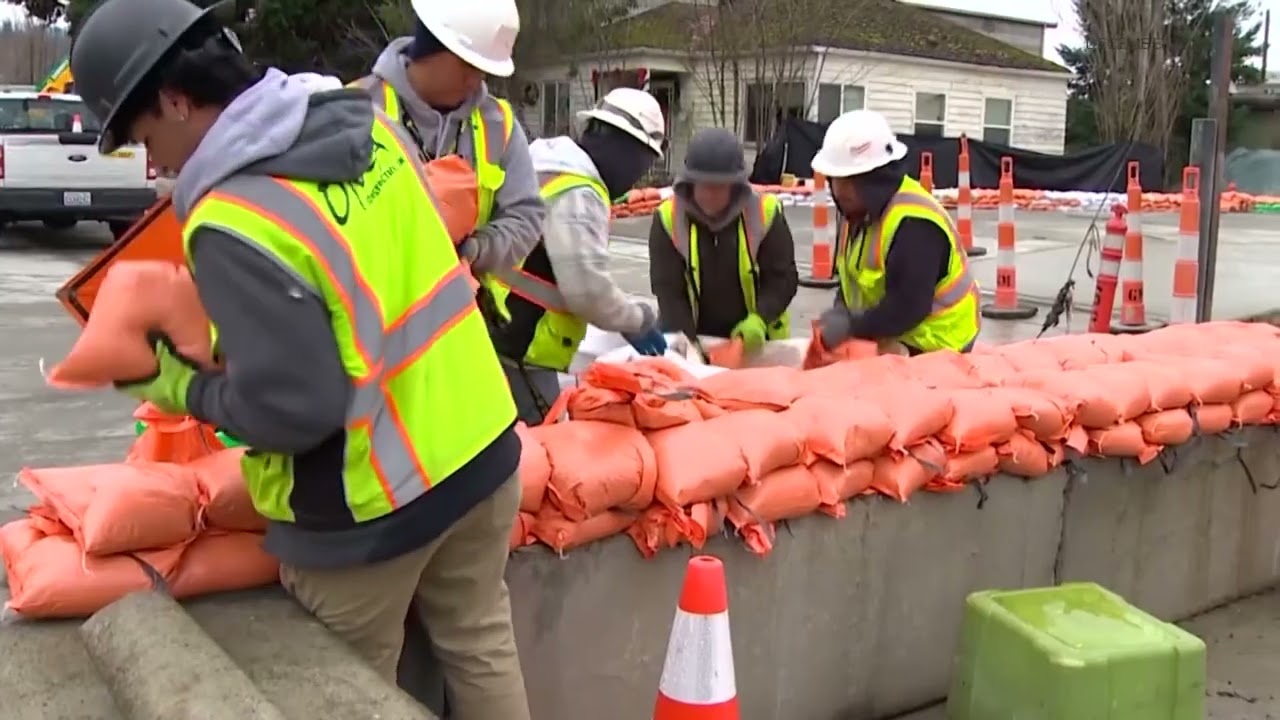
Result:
{"points": [[481, 32], [635, 112], [857, 142]]}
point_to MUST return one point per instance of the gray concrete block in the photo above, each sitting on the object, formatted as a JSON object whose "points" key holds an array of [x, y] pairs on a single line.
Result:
{"points": [[847, 618], [299, 665], [160, 665], [46, 674]]}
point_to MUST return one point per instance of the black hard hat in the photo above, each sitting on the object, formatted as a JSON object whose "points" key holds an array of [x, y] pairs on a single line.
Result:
{"points": [[118, 44]]}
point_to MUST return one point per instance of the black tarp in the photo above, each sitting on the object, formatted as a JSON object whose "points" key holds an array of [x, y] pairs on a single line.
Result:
{"points": [[1096, 169]]}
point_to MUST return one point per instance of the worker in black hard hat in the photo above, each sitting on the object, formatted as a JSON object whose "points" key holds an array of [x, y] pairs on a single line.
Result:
{"points": [[356, 365]]}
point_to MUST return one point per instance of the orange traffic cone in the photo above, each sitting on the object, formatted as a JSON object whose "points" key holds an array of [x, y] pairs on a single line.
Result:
{"points": [[697, 678]]}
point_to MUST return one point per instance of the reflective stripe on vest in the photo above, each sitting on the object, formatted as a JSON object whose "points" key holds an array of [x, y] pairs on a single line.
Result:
{"points": [[757, 218], [489, 138], [390, 337]]}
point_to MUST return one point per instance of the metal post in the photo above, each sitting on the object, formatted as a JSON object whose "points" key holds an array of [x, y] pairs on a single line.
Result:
{"points": [[1219, 104], [1204, 137]]}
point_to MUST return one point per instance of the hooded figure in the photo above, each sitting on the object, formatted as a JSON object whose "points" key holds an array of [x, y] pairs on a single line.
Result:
{"points": [[433, 83], [903, 274], [544, 304], [355, 364], [722, 260]]}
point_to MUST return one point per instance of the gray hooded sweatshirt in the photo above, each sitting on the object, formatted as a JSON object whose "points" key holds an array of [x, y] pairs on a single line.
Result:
{"points": [[516, 224], [284, 389]]}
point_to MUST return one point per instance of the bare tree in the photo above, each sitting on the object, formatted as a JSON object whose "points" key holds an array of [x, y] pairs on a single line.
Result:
{"points": [[28, 50], [1139, 74]]}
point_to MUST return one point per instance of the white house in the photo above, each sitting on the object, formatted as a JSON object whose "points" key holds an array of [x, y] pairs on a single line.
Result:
{"points": [[937, 78]]}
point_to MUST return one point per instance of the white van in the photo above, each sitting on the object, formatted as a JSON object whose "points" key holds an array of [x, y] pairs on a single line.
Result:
{"points": [[50, 169]]}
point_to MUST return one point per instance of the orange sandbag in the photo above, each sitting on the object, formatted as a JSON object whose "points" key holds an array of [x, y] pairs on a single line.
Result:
{"points": [[772, 388], [1022, 455], [665, 527], [561, 534], [702, 461], [221, 562], [456, 193], [727, 354], [782, 495], [597, 466], [1165, 384], [1123, 440], [945, 369], [916, 413], [1212, 380], [992, 370], [982, 418], [227, 505], [136, 298], [767, 440], [522, 531], [817, 355], [535, 469], [1107, 394], [1076, 352], [841, 430], [1256, 370], [171, 438], [650, 394], [1251, 408], [845, 483], [963, 467], [900, 476], [1029, 357], [1167, 427], [121, 507], [49, 576], [1047, 417], [1213, 419]]}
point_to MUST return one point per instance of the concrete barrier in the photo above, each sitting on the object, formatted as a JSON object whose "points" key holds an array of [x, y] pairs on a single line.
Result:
{"points": [[852, 618]]}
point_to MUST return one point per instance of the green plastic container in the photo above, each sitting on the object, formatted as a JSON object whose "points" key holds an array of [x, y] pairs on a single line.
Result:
{"points": [[225, 439], [1073, 652]]}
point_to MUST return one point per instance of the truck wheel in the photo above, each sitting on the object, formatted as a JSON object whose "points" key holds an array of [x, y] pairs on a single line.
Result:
{"points": [[119, 228], [60, 224]]}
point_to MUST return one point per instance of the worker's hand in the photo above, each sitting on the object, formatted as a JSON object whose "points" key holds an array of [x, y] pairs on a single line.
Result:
{"points": [[167, 389], [752, 331], [468, 250], [649, 340], [835, 326]]}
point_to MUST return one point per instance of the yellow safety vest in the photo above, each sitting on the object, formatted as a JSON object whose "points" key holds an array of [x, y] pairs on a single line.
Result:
{"points": [[754, 225], [955, 321], [536, 324], [489, 138], [429, 393]]}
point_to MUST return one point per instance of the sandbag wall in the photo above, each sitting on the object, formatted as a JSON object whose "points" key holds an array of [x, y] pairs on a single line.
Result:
{"points": [[1104, 476]]}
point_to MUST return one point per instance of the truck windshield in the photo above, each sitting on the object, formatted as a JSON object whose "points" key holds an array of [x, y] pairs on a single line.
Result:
{"points": [[43, 115]]}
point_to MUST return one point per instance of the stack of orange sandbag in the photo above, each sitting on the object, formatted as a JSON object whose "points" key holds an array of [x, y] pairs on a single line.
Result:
{"points": [[644, 448], [99, 532]]}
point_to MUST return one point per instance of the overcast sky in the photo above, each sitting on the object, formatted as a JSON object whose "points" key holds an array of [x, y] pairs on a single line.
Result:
{"points": [[1059, 11]]}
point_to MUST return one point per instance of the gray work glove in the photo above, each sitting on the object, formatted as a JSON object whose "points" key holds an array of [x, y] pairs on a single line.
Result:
{"points": [[835, 326]]}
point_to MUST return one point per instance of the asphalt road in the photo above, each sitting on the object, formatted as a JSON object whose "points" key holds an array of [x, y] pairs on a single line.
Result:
{"points": [[43, 427]]}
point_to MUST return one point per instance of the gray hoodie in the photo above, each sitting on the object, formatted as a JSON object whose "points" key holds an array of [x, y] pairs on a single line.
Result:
{"points": [[576, 238], [285, 389], [516, 224]]}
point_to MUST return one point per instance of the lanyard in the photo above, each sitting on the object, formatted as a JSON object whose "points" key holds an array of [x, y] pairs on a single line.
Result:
{"points": [[407, 121]]}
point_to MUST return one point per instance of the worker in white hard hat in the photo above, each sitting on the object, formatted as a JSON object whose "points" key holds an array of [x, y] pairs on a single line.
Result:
{"points": [[433, 82], [903, 274], [546, 302]]}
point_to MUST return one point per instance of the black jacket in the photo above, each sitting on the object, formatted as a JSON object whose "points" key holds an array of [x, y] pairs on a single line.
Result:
{"points": [[721, 304]]}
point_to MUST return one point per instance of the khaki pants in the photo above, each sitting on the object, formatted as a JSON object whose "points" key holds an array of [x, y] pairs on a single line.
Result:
{"points": [[461, 598]]}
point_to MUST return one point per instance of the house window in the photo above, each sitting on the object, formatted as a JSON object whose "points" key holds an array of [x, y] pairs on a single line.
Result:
{"points": [[931, 114], [767, 105], [834, 100], [556, 116], [997, 121]]}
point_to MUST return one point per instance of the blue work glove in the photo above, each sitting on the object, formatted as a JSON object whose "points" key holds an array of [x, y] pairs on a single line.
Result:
{"points": [[648, 341], [167, 389]]}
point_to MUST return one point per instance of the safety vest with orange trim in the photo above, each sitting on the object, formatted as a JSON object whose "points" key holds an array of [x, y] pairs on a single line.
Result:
{"points": [[756, 220], [954, 321], [429, 393], [492, 123], [535, 323]]}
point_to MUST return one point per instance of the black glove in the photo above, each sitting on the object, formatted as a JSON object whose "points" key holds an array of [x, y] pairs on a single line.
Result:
{"points": [[835, 326]]}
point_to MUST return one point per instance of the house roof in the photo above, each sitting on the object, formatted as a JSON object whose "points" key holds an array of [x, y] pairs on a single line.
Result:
{"points": [[881, 26], [1029, 13]]}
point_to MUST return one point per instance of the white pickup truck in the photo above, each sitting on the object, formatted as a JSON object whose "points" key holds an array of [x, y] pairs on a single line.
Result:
{"points": [[50, 169]]}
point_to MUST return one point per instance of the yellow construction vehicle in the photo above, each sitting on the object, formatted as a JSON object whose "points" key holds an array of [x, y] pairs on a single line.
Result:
{"points": [[59, 80]]}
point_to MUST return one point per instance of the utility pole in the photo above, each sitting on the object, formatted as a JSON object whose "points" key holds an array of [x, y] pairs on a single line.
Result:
{"points": [[1208, 148]]}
